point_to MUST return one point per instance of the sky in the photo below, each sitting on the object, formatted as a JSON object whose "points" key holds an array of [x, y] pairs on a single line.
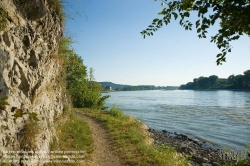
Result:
{"points": [[106, 34]]}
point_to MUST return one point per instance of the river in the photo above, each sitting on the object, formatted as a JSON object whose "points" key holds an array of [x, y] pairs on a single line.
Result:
{"points": [[220, 117]]}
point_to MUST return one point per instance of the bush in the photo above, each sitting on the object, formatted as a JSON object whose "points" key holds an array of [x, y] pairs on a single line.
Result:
{"points": [[116, 112]]}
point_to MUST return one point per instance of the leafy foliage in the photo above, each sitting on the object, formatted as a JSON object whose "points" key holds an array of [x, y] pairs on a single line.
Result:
{"points": [[18, 114], [84, 91], [3, 102], [233, 15], [214, 82]]}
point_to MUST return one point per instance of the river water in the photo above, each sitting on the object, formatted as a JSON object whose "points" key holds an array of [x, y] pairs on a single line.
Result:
{"points": [[220, 117]]}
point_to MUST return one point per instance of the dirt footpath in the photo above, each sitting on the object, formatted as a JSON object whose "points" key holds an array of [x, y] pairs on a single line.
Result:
{"points": [[103, 154]]}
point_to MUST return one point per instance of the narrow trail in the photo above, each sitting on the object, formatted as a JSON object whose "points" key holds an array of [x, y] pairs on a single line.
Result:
{"points": [[103, 154]]}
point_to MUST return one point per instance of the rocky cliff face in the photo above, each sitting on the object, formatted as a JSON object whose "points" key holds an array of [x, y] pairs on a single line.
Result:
{"points": [[29, 76]]}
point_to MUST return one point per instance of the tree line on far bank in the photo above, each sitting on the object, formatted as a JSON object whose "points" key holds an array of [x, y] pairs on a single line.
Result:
{"points": [[214, 82], [146, 87]]}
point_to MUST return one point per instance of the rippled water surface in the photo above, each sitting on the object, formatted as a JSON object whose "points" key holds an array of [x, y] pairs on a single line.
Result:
{"points": [[219, 117]]}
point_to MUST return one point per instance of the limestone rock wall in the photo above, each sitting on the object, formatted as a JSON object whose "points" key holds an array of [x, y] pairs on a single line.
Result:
{"points": [[29, 75]]}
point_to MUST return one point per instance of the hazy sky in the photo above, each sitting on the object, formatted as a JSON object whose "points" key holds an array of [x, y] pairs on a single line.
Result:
{"points": [[107, 37]]}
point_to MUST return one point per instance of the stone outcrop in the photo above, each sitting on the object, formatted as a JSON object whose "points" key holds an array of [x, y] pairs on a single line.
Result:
{"points": [[29, 76]]}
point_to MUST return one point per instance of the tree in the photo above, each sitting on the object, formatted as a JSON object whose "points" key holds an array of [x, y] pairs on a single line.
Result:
{"points": [[203, 82], [76, 78], [94, 98], [247, 79], [84, 91], [233, 16], [230, 81], [212, 80], [239, 80]]}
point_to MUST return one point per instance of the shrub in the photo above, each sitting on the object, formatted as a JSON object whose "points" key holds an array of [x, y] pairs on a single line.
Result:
{"points": [[116, 112]]}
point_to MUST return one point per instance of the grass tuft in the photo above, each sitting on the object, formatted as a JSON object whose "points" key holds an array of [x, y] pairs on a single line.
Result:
{"points": [[3, 20], [57, 5], [28, 134]]}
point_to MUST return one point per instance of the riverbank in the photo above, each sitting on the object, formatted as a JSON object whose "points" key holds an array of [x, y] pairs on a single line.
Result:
{"points": [[133, 143], [200, 153], [222, 117]]}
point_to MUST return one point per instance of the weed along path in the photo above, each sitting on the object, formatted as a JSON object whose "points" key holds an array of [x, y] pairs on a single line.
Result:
{"points": [[104, 154]]}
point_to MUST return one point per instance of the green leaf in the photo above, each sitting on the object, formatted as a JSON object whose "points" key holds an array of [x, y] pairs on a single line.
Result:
{"points": [[159, 22], [18, 113], [156, 19], [186, 14], [219, 55], [198, 3], [33, 116], [218, 62], [181, 23], [163, 12], [203, 27], [3, 101], [197, 23], [175, 15]]}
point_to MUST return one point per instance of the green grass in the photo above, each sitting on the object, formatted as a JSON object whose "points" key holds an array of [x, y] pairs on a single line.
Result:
{"points": [[73, 135], [131, 141]]}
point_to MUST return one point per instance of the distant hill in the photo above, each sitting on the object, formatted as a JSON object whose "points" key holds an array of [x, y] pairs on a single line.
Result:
{"points": [[121, 87], [114, 86]]}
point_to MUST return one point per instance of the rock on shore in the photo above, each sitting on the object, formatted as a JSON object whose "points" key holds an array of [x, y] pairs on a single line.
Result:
{"points": [[201, 155]]}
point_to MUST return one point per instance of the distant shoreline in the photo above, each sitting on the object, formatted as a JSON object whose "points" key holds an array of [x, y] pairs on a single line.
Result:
{"points": [[107, 91]]}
